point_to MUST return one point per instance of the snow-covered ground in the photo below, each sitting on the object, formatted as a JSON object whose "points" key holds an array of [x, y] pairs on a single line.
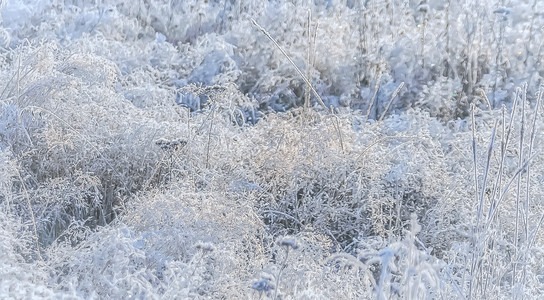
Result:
{"points": [[157, 149]]}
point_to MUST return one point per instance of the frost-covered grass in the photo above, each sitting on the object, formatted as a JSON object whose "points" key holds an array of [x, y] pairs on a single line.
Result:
{"points": [[163, 150]]}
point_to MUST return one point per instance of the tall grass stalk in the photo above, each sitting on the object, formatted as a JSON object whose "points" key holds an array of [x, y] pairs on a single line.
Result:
{"points": [[531, 25], [505, 190], [209, 138], [474, 229], [527, 192], [518, 187], [423, 8], [32, 218], [308, 51], [447, 32], [502, 14], [290, 60], [338, 129], [477, 242], [504, 146], [376, 89], [395, 93]]}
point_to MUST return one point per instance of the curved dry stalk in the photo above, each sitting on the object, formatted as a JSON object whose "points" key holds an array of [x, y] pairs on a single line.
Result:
{"points": [[290, 60]]}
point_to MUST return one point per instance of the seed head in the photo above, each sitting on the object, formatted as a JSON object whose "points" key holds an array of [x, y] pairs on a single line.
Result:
{"points": [[263, 285], [205, 247], [288, 242]]}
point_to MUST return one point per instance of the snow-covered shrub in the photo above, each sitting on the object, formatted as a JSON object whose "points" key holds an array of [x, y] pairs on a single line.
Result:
{"points": [[78, 154], [318, 172], [20, 279], [142, 153], [354, 52]]}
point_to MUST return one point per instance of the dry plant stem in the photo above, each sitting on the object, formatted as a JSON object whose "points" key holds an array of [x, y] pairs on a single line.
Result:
{"points": [[19, 77], [188, 124], [314, 42], [391, 100], [518, 198], [376, 88], [399, 206], [18, 98], [361, 45], [529, 244], [473, 107], [278, 278], [491, 216], [485, 98], [36, 240], [476, 233], [355, 262], [467, 61], [526, 206], [533, 8], [498, 182], [498, 60], [423, 40], [307, 89], [209, 139], [504, 144], [285, 215], [474, 229], [448, 36], [476, 64], [290, 60], [532, 237], [486, 172], [507, 187], [338, 131]]}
